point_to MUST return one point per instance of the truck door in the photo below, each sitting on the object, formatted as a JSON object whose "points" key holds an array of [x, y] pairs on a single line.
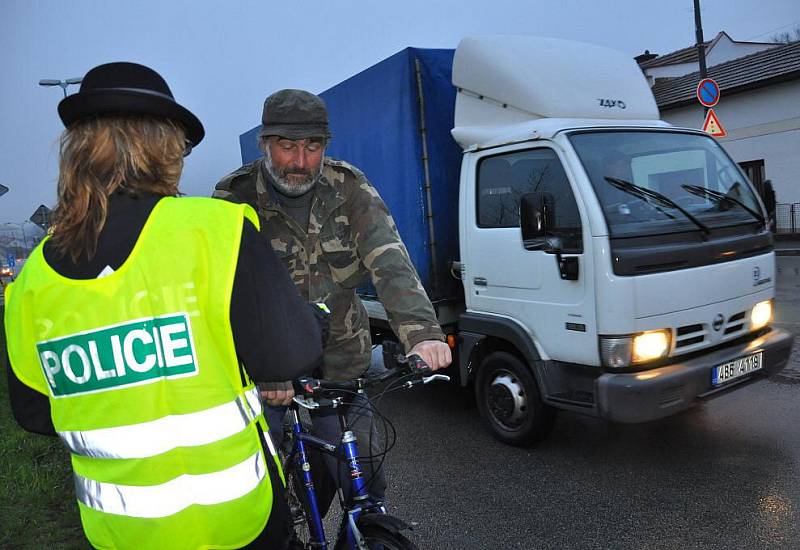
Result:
{"points": [[502, 277]]}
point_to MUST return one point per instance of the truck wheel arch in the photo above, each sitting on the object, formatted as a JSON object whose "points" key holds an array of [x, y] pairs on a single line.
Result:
{"points": [[481, 334]]}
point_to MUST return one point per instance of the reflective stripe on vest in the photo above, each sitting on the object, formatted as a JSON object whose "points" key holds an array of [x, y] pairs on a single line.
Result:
{"points": [[163, 434], [166, 499]]}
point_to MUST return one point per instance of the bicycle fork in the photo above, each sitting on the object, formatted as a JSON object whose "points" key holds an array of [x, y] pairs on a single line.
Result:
{"points": [[358, 486], [303, 465]]}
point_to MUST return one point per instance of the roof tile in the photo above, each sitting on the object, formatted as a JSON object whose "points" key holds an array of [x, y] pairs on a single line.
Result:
{"points": [[748, 71]]}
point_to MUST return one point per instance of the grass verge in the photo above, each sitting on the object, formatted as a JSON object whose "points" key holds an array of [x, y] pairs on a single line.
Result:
{"points": [[37, 499]]}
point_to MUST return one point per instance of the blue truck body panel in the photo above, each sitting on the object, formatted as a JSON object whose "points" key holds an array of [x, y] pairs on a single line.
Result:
{"points": [[376, 126]]}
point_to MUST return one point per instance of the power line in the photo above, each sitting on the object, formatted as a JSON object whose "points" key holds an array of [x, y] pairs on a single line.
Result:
{"points": [[797, 22]]}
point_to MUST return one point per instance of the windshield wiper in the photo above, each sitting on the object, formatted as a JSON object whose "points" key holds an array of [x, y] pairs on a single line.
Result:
{"points": [[649, 196], [719, 197]]}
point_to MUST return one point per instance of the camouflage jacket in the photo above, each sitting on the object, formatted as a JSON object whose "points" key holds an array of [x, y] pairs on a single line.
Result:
{"points": [[350, 236]]}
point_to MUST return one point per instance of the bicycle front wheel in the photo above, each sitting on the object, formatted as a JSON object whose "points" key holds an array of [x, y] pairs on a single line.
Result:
{"points": [[378, 537]]}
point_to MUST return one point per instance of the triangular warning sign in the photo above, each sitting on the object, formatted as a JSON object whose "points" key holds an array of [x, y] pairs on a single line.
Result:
{"points": [[713, 126]]}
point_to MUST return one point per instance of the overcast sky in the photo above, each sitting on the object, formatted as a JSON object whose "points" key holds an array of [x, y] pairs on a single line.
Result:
{"points": [[222, 58]]}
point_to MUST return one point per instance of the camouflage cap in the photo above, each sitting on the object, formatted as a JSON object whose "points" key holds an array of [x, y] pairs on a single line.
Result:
{"points": [[295, 114]]}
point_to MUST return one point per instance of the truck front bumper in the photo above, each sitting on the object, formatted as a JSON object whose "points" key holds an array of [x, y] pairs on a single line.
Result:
{"points": [[663, 391]]}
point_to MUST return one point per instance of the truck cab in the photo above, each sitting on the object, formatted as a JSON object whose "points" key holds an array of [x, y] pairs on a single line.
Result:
{"points": [[612, 264]]}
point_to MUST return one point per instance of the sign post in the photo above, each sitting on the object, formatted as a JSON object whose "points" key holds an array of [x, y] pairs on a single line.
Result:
{"points": [[11, 259]]}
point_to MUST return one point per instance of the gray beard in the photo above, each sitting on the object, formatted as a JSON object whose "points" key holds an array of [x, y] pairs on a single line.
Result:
{"points": [[284, 186], [291, 189]]}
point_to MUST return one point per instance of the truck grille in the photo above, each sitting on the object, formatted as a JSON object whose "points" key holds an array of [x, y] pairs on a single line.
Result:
{"points": [[689, 337], [735, 323]]}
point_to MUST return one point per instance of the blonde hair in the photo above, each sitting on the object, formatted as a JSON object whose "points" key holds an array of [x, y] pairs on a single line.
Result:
{"points": [[102, 155]]}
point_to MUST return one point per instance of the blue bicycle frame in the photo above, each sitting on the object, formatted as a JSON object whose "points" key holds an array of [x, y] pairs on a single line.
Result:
{"points": [[359, 501]]}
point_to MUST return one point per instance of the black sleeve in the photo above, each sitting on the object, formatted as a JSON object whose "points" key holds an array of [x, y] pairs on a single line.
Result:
{"points": [[30, 408], [276, 335]]}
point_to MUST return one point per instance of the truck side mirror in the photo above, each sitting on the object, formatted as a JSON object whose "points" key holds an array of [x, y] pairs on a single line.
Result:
{"points": [[537, 218], [537, 221]]}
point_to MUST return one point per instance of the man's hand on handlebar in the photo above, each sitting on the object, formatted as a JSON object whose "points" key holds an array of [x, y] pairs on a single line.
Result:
{"points": [[276, 394], [434, 352]]}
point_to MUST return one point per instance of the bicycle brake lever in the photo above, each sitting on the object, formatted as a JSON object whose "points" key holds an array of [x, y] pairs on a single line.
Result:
{"points": [[425, 380], [309, 404], [312, 404], [435, 377]]}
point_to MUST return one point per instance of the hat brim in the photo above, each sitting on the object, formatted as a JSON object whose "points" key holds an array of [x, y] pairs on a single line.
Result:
{"points": [[296, 131], [102, 102]]}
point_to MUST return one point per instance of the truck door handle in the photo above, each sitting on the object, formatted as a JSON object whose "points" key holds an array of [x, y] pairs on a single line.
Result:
{"points": [[479, 281]]}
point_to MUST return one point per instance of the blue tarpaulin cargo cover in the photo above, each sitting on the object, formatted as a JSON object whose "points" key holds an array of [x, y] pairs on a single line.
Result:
{"points": [[376, 125]]}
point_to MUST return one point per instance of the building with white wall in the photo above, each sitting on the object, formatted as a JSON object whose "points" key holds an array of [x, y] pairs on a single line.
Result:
{"points": [[759, 108]]}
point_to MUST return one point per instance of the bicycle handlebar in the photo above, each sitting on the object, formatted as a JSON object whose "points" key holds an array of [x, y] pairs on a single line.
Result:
{"points": [[321, 389]]}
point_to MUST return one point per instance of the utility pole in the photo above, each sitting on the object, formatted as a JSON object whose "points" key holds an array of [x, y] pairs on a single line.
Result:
{"points": [[701, 48]]}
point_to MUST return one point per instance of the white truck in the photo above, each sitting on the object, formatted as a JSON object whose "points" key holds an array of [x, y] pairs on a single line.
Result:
{"points": [[608, 263]]}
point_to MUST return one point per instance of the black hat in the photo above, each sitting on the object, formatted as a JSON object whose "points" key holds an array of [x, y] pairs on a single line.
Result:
{"points": [[295, 114], [127, 88]]}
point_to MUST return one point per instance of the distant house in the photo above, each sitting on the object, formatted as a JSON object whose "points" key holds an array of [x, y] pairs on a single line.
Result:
{"points": [[759, 106], [684, 61]]}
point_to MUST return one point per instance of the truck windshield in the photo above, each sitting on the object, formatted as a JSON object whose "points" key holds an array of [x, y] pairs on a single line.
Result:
{"points": [[656, 182]]}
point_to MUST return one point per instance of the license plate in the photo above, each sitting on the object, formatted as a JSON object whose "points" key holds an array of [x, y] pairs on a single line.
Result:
{"points": [[736, 368]]}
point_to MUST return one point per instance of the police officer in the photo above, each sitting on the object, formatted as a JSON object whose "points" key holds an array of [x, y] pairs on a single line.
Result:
{"points": [[331, 229], [141, 319]]}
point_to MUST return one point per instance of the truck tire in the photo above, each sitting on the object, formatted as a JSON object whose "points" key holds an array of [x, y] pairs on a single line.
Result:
{"points": [[509, 401]]}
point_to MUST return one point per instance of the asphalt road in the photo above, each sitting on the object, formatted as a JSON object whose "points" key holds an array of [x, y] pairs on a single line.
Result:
{"points": [[725, 474]]}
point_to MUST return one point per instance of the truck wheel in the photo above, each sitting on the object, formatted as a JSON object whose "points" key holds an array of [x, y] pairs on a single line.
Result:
{"points": [[509, 401]]}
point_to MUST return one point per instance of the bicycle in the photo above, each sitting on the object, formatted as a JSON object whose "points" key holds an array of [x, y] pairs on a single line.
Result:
{"points": [[364, 523]]}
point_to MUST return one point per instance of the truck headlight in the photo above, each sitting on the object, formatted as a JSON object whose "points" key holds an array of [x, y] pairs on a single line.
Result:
{"points": [[761, 315], [650, 345], [623, 351]]}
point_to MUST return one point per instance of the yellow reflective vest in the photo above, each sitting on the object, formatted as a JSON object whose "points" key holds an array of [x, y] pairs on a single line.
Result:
{"points": [[144, 384]]}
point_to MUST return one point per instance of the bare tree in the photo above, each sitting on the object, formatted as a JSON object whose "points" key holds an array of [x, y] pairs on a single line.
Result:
{"points": [[787, 37]]}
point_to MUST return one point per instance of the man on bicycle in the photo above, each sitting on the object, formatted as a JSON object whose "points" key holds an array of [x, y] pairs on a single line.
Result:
{"points": [[332, 230]]}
